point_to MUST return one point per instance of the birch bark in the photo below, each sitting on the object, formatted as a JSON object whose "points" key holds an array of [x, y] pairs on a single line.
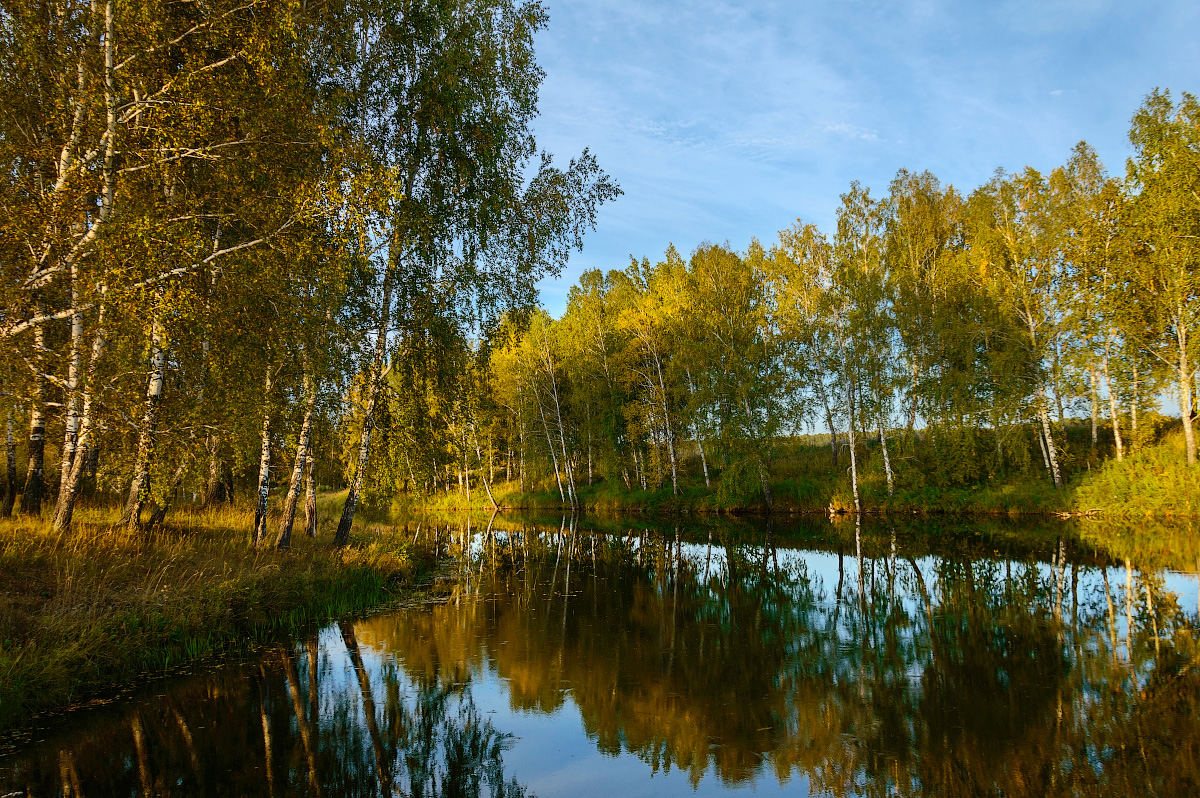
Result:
{"points": [[1185, 391], [284, 540], [264, 467], [1113, 413], [31, 497], [374, 377], [69, 491], [139, 487], [10, 488], [310, 492]]}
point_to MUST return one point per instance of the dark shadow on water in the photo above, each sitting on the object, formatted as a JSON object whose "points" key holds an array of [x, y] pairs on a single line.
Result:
{"points": [[856, 659]]}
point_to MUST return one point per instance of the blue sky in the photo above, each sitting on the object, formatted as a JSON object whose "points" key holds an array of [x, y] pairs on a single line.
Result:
{"points": [[724, 121]]}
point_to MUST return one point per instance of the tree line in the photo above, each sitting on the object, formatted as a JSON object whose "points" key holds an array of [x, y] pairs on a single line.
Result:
{"points": [[222, 220], [977, 324]]}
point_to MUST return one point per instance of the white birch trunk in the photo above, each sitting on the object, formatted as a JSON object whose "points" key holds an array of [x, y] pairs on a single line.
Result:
{"points": [[486, 483], [703, 456], [1185, 394], [71, 424], [69, 491], [1113, 412], [1133, 411], [670, 435], [1095, 396], [139, 487], [550, 443], [887, 461], [310, 492], [850, 430], [264, 467], [31, 497], [283, 540], [10, 448], [1051, 451], [375, 376], [833, 444]]}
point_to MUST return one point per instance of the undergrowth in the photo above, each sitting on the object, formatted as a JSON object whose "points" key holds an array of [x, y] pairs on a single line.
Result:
{"points": [[97, 606]]}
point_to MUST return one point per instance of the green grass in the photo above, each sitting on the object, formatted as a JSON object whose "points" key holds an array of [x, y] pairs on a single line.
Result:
{"points": [[1156, 481], [96, 607], [957, 479]]}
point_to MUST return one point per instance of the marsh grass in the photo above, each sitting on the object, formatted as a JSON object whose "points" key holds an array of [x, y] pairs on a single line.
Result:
{"points": [[97, 606]]}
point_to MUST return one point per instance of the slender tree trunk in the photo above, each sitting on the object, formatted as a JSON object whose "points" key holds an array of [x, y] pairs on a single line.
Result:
{"points": [[283, 540], [10, 487], [31, 498], [1185, 394], [833, 444], [139, 488], [1095, 397], [302, 724], [74, 365], [159, 513], [850, 430], [1133, 412], [912, 404], [562, 440], [667, 429], [703, 456], [887, 462], [1041, 439], [310, 492], [368, 697], [375, 376], [550, 443], [486, 485], [1113, 412], [264, 466], [1051, 451], [212, 483], [1057, 382]]}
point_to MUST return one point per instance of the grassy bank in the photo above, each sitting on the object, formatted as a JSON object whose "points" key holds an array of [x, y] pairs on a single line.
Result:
{"points": [[97, 607], [1155, 481]]}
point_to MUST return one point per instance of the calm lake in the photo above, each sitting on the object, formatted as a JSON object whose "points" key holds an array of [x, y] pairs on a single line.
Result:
{"points": [[587, 658]]}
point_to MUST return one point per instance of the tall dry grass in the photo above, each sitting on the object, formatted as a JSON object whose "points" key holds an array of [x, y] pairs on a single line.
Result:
{"points": [[87, 609]]}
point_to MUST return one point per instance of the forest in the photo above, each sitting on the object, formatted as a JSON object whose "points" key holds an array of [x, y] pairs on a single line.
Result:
{"points": [[269, 249], [1029, 329], [224, 221]]}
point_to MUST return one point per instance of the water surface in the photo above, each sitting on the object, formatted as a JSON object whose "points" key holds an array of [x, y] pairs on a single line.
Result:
{"points": [[582, 659]]}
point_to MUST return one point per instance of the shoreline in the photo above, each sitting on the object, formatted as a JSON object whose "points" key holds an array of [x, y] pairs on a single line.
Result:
{"points": [[92, 613]]}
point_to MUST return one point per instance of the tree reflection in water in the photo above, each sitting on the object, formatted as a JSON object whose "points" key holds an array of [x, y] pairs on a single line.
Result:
{"points": [[868, 662], [247, 731]]}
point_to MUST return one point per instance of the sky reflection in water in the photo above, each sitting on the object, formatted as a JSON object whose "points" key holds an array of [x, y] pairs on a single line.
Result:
{"points": [[691, 661]]}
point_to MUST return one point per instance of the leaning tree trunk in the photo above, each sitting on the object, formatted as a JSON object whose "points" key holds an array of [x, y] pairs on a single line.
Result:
{"points": [[139, 488], [71, 425], [10, 487], [833, 445], [264, 467], [374, 377], [284, 541], [69, 492], [887, 462], [1051, 450]]}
